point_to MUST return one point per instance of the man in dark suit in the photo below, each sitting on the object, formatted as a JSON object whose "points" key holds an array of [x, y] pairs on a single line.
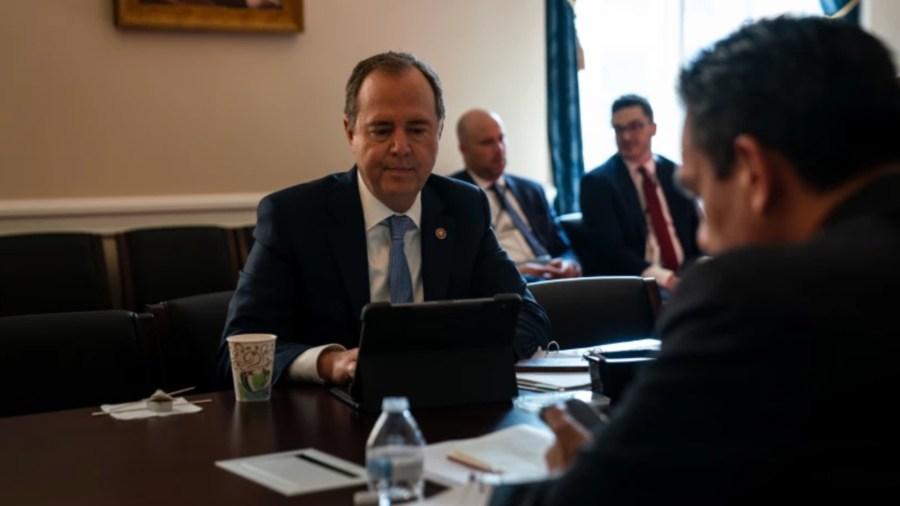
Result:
{"points": [[387, 230], [778, 367], [525, 224], [629, 199]]}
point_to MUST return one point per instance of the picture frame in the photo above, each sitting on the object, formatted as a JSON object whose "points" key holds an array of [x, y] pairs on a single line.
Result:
{"points": [[209, 15]]}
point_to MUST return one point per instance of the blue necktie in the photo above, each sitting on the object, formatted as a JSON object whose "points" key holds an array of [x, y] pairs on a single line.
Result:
{"points": [[398, 269], [536, 247]]}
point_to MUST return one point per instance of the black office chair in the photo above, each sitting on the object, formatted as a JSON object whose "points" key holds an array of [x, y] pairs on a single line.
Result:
{"points": [[573, 226], [73, 360], [598, 310], [167, 263], [52, 273], [244, 237], [189, 330]]}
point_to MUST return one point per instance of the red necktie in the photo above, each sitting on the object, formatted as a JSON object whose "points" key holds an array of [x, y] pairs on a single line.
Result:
{"points": [[658, 221]]}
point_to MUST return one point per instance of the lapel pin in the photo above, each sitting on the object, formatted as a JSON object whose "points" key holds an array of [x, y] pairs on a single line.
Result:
{"points": [[440, 233]]}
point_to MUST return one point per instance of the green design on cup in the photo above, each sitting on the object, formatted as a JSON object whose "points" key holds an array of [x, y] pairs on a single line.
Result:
{"points": [[255, 385]]}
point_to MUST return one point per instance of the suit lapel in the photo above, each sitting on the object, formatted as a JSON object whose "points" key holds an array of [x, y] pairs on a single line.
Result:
{"points": [[464, 176], [665, 171], [630, 196], [523, 196], [438, 237], [519, 193], [347, 239], [664, 174]]}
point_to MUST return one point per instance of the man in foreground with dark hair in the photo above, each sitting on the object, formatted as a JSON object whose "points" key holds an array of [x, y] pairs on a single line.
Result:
{"points": [[386, 230], [778, 367]]}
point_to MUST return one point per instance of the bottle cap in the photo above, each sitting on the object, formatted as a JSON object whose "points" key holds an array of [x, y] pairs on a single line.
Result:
{"points": [[394, 404]]}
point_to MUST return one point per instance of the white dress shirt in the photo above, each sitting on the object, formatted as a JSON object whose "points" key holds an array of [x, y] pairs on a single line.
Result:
{"points": [[508, 234], [652, 253], [378, 249]]}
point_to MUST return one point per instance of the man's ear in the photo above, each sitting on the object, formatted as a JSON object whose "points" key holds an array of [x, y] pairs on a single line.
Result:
{"points": [[348, 130], [440, 129], [756, 172]]}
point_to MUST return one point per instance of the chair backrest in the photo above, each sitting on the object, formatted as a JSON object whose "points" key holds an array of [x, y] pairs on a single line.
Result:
{"points": [[597, 310], [167, 263], [51, 273], [573, 226], [72, 360], [189, 330], [244, 237]]}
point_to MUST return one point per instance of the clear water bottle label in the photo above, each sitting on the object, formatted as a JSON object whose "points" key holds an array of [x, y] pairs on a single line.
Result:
{"points": [[378, 468], [396, 470]]}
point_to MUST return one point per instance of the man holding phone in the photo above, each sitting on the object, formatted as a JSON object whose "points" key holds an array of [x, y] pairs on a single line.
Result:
{"points": [[778, 362]]}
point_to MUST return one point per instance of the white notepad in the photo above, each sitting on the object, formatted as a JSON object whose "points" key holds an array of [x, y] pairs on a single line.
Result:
{"points": [[517, 452], [297, 472]]}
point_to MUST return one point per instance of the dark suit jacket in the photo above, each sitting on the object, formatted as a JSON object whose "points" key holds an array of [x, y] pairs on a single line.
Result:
{"points": [[778, 369], [307, 276], [533, 202], [614, 224]]}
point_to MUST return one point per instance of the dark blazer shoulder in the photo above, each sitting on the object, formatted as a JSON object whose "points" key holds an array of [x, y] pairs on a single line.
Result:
{"points": [[315, 191], [526, 182], [662, 161], [462, 175], [454, 193], [608, 169]]}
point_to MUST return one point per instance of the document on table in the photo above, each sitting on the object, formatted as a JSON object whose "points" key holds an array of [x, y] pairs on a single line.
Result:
{"points": [[297, 472], [571, 360], [553, 381], [508, 455], [552, 364]]}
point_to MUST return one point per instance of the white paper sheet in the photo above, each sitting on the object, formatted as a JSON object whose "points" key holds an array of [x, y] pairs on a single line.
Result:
{"points": [[297, 472], [518, 451], [132, 411]]}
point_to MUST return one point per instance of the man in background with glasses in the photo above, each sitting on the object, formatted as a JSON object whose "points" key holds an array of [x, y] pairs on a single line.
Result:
{"points": [[635, 220]]}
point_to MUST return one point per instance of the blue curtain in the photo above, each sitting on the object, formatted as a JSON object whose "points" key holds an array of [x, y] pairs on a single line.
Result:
{"points": [[563, 106], [832, 6]]}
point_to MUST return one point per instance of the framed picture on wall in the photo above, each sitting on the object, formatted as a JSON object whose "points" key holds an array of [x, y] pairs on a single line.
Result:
{"points": [[222, 15]]}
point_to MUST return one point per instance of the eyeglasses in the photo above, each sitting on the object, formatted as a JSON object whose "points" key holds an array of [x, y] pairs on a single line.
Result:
{"points": [[633, 127]]}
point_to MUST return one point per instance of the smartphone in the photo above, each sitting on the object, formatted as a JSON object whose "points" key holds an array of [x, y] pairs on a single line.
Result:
{"points": [[583, 413]]}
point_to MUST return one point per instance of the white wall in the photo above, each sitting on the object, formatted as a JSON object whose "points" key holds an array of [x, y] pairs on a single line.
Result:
{"points": [[882, 17], [89, 111]]}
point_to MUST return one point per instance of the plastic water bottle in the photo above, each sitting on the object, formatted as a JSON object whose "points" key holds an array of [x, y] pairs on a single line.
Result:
{"points": [[394, 454]]}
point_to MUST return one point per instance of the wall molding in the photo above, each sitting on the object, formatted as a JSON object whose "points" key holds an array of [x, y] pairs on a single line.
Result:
{"points": [[114, 214]]}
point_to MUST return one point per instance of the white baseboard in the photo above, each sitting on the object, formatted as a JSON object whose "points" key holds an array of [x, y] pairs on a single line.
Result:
{"points": [[115, 214]]}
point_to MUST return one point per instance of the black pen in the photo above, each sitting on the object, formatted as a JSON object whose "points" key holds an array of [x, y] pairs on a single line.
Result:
{"points": [[326, 465]]}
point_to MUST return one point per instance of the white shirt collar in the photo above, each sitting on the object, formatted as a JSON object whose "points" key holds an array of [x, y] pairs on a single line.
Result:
{"points": [[375, 212], [484, 184], [650, 165]]}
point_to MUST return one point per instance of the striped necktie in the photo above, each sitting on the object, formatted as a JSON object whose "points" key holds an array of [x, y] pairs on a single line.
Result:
{"points": [[536, 247], [398, 269]]}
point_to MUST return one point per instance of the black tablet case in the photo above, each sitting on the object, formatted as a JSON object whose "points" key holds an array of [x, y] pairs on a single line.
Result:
{"points": [[441, 353]]}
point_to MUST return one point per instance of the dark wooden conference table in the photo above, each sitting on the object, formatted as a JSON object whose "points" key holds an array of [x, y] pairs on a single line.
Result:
{"points": [[71, 457]]}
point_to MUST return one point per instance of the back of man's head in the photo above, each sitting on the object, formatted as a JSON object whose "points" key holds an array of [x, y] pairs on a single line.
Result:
{"points": [[821, 93]]}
